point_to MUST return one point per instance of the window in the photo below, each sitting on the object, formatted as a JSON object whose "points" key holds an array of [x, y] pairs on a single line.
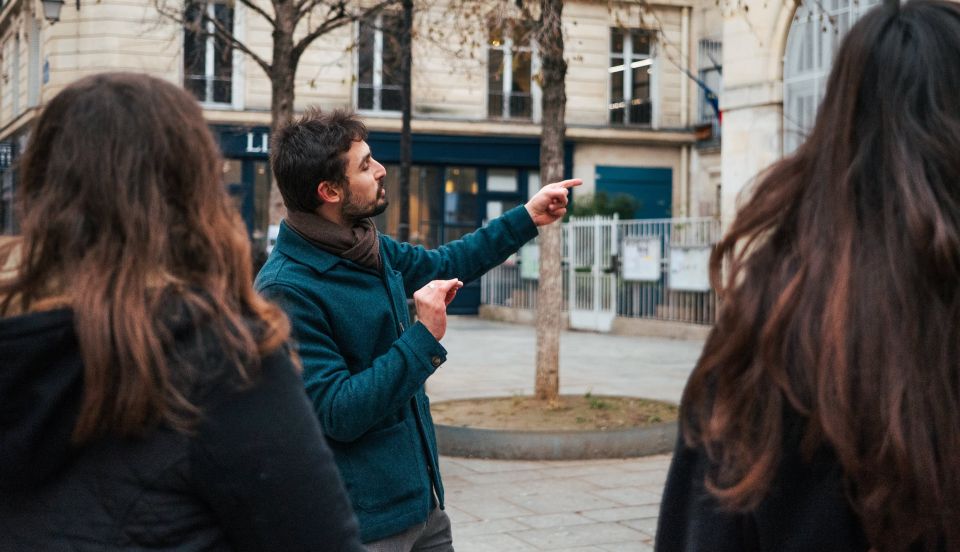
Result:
{"points": [[711, 77], [631, 68], [379, 71], [814, 37], [207, 58], [510, 73]]}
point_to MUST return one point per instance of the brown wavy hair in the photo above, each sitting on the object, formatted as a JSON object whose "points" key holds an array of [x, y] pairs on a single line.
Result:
{"points": [[123, 214], [840, 286]]}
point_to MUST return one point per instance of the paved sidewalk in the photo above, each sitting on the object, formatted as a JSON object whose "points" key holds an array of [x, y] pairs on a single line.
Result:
{"points": [[487, 358], [583, 506]]}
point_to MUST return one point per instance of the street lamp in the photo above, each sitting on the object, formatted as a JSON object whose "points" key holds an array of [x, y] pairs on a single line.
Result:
{"points": [[51, 10]]}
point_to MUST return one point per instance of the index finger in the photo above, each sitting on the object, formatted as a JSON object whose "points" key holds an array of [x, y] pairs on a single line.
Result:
{"points": [[570, 183], [446, 285]]}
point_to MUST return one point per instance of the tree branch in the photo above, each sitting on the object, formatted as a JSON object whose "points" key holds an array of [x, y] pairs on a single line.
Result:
{"points": [[220, 31], [175, 13], [260, 11], [304, 7], [337, 20]]}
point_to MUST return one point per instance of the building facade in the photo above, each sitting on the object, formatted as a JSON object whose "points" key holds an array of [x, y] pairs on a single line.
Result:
{"points": [[777, 56], [639, 118]]}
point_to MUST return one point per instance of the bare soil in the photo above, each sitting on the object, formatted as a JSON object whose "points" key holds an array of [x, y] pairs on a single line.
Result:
{"points": [[570, 412]]}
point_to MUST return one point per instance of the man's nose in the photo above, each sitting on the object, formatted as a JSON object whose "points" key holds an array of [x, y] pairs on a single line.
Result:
{"points": [[379, 170]]}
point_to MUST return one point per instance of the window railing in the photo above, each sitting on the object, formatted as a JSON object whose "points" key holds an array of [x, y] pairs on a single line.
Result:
{"points": [[640, 111], [519, 105], [209, 89], [390, 97]]}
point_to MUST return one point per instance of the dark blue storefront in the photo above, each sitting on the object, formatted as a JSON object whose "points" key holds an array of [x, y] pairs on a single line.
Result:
{"points": [[457, 183]]}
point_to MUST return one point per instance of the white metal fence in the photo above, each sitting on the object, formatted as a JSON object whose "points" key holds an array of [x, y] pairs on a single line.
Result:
{"points": [[653, 269]]}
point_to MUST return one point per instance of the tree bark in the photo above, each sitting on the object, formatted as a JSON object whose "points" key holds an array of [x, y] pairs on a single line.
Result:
{"points": [[406, 135], [553, 132], [283, 71]]}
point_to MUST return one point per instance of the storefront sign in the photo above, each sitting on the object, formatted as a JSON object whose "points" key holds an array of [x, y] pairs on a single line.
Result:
{"points": [[239, 142], [641, 259], [261, 146]]}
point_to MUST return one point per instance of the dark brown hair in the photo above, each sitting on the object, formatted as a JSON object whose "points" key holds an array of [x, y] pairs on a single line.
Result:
{"points": [[124, 212], [311, 149], [840, 281]]}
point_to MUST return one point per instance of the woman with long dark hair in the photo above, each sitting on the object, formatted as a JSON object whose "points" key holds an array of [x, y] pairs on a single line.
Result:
{"points": [[824, 413], [147, 398]]}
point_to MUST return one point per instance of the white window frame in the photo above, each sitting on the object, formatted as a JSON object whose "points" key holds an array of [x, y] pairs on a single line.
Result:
{"points": [[377, 71], [805, 74], [508, 48], [238, 72], [626, 57]]}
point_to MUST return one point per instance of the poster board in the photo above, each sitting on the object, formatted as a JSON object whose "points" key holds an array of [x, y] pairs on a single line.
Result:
{"points": [[690, 268], [641, 258], [530, 262]]}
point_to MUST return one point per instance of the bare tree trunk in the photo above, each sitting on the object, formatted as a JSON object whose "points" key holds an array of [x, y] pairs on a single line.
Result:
{"points": [[406, 136], [284, 68], [553, 131]]}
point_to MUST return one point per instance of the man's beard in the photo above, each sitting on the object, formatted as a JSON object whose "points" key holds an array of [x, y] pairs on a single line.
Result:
{"points": [[353, 210]]}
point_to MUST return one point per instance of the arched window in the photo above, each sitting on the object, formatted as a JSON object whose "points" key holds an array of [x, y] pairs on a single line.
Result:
{"points": [[815, 35]]}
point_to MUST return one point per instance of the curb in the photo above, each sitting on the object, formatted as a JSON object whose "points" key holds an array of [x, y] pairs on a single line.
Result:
{"points": [[555, 445]]}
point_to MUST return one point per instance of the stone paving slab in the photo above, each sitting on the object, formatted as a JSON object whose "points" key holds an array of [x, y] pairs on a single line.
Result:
{"points": [[539, 506], [565, 506]]}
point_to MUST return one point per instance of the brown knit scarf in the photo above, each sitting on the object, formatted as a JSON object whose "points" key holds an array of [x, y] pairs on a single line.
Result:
{"points": [[358, 243]]}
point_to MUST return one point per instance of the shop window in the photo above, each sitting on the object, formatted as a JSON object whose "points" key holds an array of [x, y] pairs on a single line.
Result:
{"points": [[631, 72], [7, 222], [207, 57], [379, 69], [510, 58], [502, 180]]}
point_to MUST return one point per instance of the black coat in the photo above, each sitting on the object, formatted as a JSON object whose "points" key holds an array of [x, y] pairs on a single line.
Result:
{"points": [[806, 509], [255, 474]]}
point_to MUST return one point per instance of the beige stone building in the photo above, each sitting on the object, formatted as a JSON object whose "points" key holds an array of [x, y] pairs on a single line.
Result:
{"points": [[638, 121], [776, 58]]}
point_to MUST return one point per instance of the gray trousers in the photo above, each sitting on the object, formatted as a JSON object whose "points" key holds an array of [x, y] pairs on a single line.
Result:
{"points": [[434, 535]]}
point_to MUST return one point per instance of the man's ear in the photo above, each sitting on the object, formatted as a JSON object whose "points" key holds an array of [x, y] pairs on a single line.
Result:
{"points": [[330, 192]]}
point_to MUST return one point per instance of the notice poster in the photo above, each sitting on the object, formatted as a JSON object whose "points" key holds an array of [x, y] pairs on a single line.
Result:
{"points": [[641, 258], [690, 269], [530, 262]]}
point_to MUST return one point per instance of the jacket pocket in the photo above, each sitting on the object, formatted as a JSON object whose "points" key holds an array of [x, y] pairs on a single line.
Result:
{"points": [[381, 469]]}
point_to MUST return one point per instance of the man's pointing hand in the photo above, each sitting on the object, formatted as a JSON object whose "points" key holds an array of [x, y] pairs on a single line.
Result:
{"points": [[550, 203]]}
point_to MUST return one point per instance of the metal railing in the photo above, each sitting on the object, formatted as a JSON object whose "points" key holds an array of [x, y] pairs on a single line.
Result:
{"points": [[673, 286]]}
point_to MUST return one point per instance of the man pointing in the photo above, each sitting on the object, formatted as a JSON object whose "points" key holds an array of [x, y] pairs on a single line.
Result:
{"points": [[344, 287]]}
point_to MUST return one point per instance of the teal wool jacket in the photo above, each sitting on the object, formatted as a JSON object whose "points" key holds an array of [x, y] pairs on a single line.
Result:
{"points": [[365, 364]]}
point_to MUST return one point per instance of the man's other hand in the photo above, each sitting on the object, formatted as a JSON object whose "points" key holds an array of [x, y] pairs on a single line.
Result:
{"points": [[431, 301], [550, 203]]}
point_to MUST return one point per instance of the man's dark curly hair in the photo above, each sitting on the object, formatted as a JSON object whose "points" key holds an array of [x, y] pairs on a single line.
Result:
{"points": [[311, 149]]}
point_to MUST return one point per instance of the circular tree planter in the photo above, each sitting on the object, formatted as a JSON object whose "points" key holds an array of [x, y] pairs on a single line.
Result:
{"points": [[504, 444], [533, 443]]}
